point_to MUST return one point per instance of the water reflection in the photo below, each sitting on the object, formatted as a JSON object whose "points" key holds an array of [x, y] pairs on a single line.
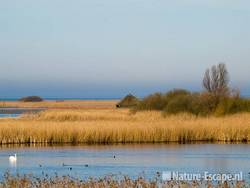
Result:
{"points": [[9, 115], [12, 164], [13, 161]]}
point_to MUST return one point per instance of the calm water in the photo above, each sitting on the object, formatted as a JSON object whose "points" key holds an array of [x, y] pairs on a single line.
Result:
{"points": [[9, 115], [132, 160]]}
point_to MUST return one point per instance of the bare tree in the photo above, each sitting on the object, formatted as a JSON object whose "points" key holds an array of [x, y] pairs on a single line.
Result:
{"points": [[216, 80]]}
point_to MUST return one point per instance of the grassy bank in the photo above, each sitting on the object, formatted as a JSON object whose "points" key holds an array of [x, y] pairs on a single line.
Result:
{"points": [[120, 126]]}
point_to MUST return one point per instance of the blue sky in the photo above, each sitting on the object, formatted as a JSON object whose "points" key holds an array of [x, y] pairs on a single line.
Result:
{"points": [[97, 48]]}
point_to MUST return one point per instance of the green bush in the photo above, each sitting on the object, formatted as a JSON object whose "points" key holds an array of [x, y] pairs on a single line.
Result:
{"points": [[232, 105], [203, 104], [159, 101], [176, 92], [152, 102], [179, 103]]}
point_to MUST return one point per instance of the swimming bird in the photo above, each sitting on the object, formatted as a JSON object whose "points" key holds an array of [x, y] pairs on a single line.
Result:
{"points": [[13, 159]]}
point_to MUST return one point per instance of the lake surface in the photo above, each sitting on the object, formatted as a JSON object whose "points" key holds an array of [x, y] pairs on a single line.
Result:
{"points": [[133, 160], [9, 115]]}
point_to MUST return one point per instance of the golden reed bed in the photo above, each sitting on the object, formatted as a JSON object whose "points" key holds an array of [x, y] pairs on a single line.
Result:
{"points": [[66, 104], [112, 125]]}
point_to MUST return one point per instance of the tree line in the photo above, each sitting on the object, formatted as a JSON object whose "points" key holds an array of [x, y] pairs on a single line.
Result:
{"points": [[217, 98]]}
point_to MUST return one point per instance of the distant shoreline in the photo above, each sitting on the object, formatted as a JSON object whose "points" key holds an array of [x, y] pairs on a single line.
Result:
{"points": [[82, 99], [60, 104], [66, 99]]}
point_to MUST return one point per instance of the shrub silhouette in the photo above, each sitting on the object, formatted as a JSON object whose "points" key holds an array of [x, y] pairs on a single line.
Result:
{"points": [[202, 104], [31, 99], [232, 105], [180, 103], [128, 101], [159, 101], [152, 102]]}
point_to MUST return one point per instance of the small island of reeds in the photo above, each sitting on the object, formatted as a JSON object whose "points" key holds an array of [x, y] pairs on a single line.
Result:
{"points": [[104, 126]]}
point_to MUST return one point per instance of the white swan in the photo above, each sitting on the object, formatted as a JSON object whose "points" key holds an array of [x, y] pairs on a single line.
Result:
{"points": [[13, 159]]}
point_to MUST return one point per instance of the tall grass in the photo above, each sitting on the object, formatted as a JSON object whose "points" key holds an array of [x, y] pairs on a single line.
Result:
{"points": [[86, 104], [112, 181], [120, 126]]}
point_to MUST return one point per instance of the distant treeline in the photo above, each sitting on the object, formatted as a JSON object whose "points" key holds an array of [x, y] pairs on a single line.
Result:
{"points": [[216, 99]]}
